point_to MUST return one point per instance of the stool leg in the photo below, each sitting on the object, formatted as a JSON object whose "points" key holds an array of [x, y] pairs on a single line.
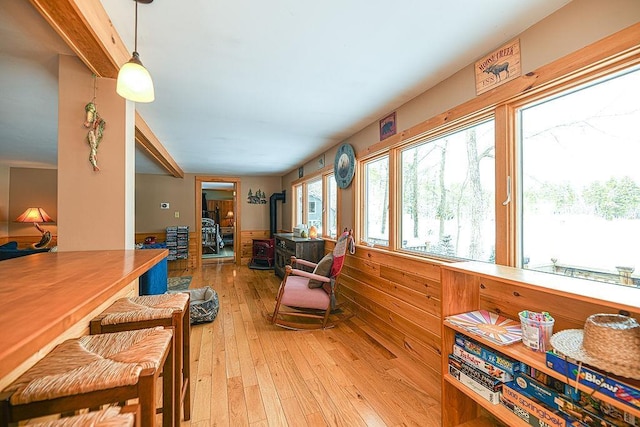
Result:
{"points": [[5, 409], [178, 357], [186, 366], [169, 400], [147, 398]]}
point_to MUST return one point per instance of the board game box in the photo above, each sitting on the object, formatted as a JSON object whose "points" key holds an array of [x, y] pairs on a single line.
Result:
{"points": [[483, 365], [495, 358], [477, 375], [604, 384], [492, 396]]}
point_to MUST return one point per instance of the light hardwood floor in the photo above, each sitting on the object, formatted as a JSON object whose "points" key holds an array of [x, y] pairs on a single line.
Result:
{"points": [[247, 372]]}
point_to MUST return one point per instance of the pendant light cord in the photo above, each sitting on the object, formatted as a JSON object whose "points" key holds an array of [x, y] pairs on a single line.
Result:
{"points": [[135, 43]]}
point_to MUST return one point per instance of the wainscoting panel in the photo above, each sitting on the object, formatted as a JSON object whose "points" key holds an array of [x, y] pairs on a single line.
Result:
{"points": [[397, 297]]}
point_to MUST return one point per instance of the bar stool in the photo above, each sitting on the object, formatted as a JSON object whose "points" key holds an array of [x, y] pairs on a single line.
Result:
{"points": [[113, 416], [167, 310], [96, 370]]}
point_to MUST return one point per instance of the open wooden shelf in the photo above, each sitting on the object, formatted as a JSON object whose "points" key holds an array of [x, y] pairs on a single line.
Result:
{"points": [[537, 360], [499, 411], [471, 286], [480, 422]]}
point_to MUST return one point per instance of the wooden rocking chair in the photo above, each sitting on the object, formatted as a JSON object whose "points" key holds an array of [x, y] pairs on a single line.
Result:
{"points": [[310, 297]]}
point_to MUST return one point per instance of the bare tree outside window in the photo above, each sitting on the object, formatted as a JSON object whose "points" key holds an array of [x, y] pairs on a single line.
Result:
{"points": [[448, 195], [376, 201]]}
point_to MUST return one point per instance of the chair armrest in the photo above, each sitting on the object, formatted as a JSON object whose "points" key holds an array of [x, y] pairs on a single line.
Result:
{"points": [[308, 275], [304, 262]]}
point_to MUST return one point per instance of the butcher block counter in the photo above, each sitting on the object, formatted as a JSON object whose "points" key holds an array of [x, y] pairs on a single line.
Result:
{"points": [[49, 297]]}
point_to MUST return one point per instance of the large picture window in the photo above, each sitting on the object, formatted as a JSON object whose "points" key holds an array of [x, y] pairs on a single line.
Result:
{"points": [[376, 201], [580, 212], [332, 206], [311, 208], [314, 203], [447, 202], [299, 212]]}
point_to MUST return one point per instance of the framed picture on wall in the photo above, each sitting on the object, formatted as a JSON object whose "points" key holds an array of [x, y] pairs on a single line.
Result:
{"points": [[388, 126]]}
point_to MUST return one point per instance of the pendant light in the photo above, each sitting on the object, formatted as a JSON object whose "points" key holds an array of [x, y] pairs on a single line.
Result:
{"points": [[134, 81]]}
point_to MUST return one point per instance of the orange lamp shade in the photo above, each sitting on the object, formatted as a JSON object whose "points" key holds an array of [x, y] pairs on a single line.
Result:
{"points": [[313, 232], [35, 215]]}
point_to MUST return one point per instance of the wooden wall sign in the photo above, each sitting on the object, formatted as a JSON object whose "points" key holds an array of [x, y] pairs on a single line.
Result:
{"points": [[388, 126], [498, 67]]}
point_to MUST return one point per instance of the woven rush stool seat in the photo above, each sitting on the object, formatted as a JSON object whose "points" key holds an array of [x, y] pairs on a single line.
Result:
{"points": [[95, 370], [167, 310], [110, 417]]}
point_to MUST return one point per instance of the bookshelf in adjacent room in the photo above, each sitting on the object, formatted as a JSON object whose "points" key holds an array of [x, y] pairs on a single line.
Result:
{"points": [[178, 242]]}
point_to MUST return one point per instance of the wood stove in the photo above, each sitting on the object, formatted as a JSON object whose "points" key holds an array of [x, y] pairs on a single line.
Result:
{"points": [[263, 253]]}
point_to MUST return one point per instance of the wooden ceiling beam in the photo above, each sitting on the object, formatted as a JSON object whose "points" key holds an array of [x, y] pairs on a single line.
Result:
{"points": [[86, 28], [147, 139]]}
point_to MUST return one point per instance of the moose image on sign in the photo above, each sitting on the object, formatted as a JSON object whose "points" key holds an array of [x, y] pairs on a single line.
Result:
{"points": [[496, 69]]}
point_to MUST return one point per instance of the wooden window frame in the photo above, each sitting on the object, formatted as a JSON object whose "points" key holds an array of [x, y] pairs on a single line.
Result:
{"points": [[607, 56], [323, 175]]}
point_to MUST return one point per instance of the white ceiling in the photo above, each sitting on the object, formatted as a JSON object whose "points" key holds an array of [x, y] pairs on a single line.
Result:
{"points": [[252, 87]]}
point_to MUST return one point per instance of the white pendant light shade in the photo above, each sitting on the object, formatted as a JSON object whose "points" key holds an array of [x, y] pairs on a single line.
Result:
{"points": [[134, 81]]}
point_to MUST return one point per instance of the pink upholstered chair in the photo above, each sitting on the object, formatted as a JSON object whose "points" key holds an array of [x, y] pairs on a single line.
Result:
{"points": [[310, 297]]}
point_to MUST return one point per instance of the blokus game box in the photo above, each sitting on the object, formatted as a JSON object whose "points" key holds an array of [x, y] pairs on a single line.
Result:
{"points": [[605, 384]]}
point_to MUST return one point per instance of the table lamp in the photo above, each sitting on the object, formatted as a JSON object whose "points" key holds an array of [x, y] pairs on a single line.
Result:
{"points": [[230, 218], [37, 216]]}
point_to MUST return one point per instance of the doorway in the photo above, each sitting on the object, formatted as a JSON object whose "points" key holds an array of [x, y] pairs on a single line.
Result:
{"points": [[217, 219]]}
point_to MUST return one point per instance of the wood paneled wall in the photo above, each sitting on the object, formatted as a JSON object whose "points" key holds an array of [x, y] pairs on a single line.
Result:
{"points": [[398, 297]]}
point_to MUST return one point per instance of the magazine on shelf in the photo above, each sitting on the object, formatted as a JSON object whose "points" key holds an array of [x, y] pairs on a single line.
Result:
{"points": [[491, 326]]}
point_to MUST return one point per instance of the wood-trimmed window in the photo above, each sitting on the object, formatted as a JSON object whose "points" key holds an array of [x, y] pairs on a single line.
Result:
{"points": [[385, 221], [375, 204], [316, 203]]}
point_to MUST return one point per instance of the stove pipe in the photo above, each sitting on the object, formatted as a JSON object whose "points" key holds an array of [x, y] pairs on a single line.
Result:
{"points": [[273, 211]]}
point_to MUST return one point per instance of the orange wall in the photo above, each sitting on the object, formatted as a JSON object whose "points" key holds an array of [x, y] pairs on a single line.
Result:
{"points": [[94, 202]]}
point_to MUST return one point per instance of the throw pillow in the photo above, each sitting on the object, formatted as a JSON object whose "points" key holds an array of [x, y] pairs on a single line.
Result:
{"points": [[322, 269]]}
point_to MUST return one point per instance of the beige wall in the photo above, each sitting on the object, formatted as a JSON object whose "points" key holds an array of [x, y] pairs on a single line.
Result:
{"points": [[151, 190], [256, 216], [27, 187], [37, 188], [576, 25]]}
